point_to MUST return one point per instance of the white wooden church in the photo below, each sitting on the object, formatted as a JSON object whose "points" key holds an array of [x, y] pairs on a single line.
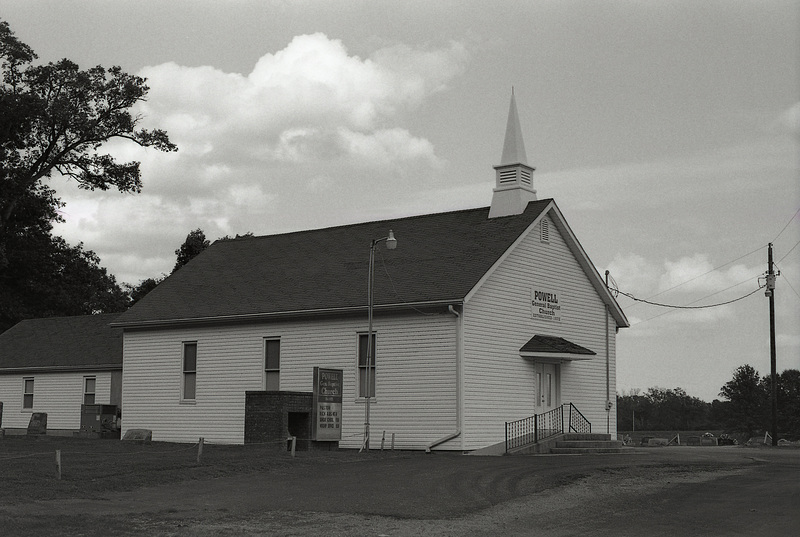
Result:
{"points": [[481, 317]]}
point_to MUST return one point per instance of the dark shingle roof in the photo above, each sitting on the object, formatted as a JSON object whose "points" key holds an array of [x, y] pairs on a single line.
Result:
{"points": [[439, 257], [540, 344], [80, 342]]}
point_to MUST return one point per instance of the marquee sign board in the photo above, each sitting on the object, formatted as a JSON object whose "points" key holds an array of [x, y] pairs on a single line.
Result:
{"points": [[326, 412]]}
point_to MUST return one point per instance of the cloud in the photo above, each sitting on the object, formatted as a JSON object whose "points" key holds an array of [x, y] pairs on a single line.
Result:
{"points": [[696, 274], [789, 121], [688, 282], [300, 102], [633, 273], [308, 119]]}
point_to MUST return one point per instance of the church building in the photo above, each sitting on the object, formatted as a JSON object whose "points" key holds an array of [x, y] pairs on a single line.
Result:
{"points": [[477, 318]]}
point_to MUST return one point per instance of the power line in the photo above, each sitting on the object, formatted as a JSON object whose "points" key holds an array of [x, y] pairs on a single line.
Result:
{"points": [[724, 264], [789, 252], [785, 279], [787, 225], [693, 307], [698, 276]]}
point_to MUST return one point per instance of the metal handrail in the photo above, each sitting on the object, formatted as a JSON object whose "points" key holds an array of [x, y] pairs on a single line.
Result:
{"points": [[540, 427], [578, 423]]}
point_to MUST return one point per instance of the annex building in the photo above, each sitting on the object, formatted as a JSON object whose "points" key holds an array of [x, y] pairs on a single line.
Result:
{"points": [[56, 364]]}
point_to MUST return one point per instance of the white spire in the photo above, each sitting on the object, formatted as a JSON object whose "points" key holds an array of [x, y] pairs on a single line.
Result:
{"points": [[514, 145], [513, 176]]}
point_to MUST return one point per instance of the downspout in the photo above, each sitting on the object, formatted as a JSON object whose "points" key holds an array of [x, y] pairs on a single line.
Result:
{"points": [[459, 348], [608, 371]]}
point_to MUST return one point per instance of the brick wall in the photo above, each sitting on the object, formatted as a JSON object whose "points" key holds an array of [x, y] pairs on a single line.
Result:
{"points": [[271, 417]]}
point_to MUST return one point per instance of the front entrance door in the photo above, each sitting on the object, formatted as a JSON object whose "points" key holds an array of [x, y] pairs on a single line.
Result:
{"points": [[546, 386]]}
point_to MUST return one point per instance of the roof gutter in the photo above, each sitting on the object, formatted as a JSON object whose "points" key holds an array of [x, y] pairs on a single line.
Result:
{"points": [[60, 368], [253, 317]]}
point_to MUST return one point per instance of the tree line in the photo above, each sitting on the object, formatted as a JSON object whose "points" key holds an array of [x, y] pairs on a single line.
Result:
{"points": [[744, 408], [54, 119]]}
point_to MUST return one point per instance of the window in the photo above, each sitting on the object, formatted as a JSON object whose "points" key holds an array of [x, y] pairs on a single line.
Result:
{"points": [[27, 393], [363, 379], [89, 388], [189, 370], [272, 364]]}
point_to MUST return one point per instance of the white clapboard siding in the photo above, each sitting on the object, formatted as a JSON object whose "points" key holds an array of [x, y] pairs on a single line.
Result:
{"points": [[415, 376], [498, 383], [60, 395]]}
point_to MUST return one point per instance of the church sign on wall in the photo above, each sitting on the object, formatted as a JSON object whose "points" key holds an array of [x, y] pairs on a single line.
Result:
{"points": [[327, 406], [545, 304]]}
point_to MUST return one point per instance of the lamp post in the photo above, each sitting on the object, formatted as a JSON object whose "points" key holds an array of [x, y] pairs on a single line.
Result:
{"points": [[391, 244]]}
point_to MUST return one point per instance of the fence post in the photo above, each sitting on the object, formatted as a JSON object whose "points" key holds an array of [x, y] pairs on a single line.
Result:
{"points": [[200, 449], [392, 441], [294, 443], [383, 440], [58, 464], [535, 428]]}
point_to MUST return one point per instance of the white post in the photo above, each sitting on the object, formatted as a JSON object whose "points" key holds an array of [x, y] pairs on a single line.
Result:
{"points": [[200, 449], [294, 443]]}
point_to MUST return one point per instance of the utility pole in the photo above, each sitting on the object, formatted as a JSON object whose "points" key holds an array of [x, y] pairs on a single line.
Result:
{"points": [[772, 354]]}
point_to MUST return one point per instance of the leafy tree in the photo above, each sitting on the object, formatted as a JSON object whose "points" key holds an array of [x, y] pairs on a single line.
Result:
{"points": [[789, 403], [748, 409], [47, 277], [248, 235], [788, 391], [137, 292], [661, 409], [195, 243], [55, 118]]}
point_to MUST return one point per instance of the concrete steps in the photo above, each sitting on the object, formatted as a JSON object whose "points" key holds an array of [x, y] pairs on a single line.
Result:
{"points": [[573, 444]]}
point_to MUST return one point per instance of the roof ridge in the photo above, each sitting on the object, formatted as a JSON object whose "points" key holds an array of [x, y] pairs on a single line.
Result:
{"points": [[357, 224]]}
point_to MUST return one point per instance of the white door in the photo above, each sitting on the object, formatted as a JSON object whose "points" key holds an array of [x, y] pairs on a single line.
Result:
{"points": [[546, 386]]}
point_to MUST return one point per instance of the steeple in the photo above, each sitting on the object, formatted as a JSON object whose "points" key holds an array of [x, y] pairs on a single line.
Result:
{"points": [[514, 145], [513, 176]]}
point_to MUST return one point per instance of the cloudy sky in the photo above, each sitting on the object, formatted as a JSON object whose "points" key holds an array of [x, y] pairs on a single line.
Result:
{"points": [[667, 132]]}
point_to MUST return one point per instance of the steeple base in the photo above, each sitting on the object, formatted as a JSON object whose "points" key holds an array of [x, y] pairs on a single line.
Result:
{"points": [[507, 201]]}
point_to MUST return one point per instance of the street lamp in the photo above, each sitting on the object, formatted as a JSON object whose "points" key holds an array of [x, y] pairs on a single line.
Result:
{"points": [[391, 244]]}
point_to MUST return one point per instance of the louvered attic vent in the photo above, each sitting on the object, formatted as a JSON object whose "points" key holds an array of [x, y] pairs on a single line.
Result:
{"points": [[544, 230], [508, 177], [525, 177]]}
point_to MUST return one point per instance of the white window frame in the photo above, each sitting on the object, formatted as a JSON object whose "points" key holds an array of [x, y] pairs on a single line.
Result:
{"points": [[188, 373], [86, 391], [272, 373], [373, 377], [26, 393]]}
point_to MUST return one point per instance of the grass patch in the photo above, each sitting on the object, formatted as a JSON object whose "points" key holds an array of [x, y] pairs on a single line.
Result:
{"points": [[92, 468]]}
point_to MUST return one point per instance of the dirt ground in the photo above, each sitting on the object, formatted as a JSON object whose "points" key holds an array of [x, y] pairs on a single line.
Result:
{"points": [[645, 491]]}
